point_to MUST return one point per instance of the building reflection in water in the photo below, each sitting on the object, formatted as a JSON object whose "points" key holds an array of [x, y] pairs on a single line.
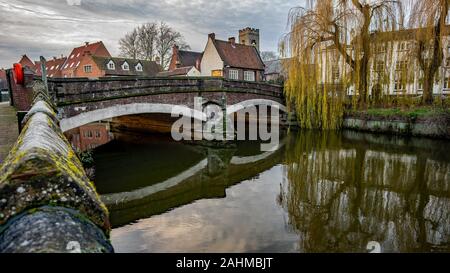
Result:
{"points": [[344, 190], [90, 136]]}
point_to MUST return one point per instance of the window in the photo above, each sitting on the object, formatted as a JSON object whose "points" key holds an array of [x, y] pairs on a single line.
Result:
{"points": [[401, 65], [399, 83], [125, 66], [97, 134], [402, 46], [88, 134], [111, 65], [233, 74], [447, 82], [380, 48], [378, 66], [88, 68], [249, 76], [335, 72], [139, 67], [216, 73]]}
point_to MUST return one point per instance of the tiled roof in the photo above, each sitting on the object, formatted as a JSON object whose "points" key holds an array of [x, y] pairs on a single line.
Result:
{"points": [[181, 71], [189, 58], [53, 67], [25, 61], [149, 68], [75, 57], [239, 55]]}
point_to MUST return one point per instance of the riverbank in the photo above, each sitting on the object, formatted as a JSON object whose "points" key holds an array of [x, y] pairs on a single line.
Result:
{"points": [[8, 129], [419, 121]]}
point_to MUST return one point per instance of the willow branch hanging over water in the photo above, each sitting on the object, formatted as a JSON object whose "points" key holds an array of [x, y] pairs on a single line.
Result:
{"points": [[331, 46]]}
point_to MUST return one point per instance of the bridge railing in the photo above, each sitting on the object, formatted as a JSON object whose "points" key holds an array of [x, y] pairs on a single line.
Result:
{"points": [[47, 203], [68, 91]]}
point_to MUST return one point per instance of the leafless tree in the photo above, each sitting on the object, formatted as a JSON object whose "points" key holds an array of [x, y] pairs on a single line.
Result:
{"points": [[147, 34], [268, 55], [167, 37], [151, 41], [129, 45]]}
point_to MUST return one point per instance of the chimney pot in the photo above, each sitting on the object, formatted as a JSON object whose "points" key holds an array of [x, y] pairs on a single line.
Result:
{"points": [[86, 43], [212, 36], [232, 40]]}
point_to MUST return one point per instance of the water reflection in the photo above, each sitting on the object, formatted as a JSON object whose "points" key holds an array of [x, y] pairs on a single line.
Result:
{"points": [[344, 190], [319, 192]]}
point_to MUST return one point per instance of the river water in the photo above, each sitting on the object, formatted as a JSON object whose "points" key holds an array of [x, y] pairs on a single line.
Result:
{"points": [[318, 192]]}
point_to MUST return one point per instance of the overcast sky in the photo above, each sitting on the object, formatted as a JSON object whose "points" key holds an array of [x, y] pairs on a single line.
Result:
{"points": [[54, 27]]}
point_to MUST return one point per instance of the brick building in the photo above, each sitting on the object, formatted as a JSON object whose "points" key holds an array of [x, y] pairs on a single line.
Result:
{"points": [[183, 63], [52, 66], [89, 136], [72, 68], [96, 66], [231, 60]]}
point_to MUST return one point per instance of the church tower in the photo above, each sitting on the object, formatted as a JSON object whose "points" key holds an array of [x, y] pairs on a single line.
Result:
{"points": [[249, 36]]}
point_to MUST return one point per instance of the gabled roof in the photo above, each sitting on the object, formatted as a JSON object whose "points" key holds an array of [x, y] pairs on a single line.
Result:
{"points": [[25, 61], [181, 71], [75, 57], [149, 68], [239, 55], [188, 58], [53, 67]]}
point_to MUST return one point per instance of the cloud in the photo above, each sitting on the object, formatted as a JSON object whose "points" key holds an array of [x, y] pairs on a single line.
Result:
{"points": [[53, 27]]}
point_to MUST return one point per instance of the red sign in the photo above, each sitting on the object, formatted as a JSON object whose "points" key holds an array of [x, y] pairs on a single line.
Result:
{"points": [[18, 74]]}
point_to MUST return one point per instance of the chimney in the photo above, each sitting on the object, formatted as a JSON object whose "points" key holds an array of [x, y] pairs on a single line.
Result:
{"points": [[212, 36], [175, 49], [86, 43], [62, 56], [54, 58], [232, 40]]}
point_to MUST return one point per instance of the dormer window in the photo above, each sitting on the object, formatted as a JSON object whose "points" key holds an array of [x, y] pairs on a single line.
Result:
{"points": [[125, 66], [111, 65], [139, 67]]}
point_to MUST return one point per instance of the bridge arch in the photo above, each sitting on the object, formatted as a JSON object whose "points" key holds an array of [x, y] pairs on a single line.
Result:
{"points": [[254, 102], [81, 119]]}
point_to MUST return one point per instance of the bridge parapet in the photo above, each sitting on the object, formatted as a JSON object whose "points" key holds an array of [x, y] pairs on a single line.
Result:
{"points": [[47, 203], [73, 91]]}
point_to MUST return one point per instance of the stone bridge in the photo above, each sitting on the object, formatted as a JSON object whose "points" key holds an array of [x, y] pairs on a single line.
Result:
{"points": [[47, 202], [82, 101]]}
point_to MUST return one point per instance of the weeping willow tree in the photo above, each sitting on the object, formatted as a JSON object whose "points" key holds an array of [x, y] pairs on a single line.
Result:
{"points": [[429, 20], [331, 48]]}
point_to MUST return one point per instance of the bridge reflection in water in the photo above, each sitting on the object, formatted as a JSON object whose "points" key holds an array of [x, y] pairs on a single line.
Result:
{"points": [[318, 192]]}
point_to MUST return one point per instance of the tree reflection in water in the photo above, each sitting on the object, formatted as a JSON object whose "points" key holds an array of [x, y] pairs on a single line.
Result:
{"points": [[344, 190]]}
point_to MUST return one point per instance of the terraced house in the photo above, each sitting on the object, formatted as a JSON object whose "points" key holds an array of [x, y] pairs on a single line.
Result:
{"points": [[92, 61]]}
